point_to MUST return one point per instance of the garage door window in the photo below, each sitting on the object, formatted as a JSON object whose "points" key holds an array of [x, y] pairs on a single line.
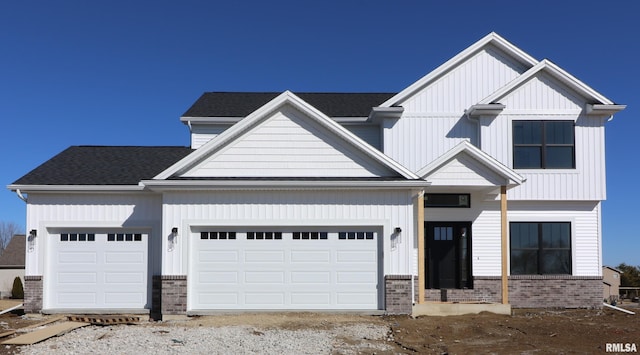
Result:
{"points": [[217, 235], [77, 237], [124, 237], [355, 235], [310, 235]]}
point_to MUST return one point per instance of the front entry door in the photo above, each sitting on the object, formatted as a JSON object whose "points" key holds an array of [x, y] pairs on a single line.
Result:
{"points": [[448, 255]]}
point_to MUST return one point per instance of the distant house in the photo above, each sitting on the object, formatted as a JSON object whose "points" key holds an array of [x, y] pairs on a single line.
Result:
{"points": [[611, 283], [12, 264], [480, 182]]}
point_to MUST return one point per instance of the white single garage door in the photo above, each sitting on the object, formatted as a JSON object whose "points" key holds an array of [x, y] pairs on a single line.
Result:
{"points": [[289, 269], [97, 271]]}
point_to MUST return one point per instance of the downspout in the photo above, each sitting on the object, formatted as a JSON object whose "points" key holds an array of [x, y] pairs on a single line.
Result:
{"points": [[20, 195], [477, 122]]}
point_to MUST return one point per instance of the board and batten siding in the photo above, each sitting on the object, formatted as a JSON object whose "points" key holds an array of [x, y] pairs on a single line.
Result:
{"points": [[284, 145], [485, 230], [415, 141], [467, 84], [387, 209], [91, 212]]}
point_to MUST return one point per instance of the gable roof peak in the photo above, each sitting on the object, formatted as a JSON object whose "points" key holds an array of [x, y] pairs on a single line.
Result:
{"points": [[490, 39]]}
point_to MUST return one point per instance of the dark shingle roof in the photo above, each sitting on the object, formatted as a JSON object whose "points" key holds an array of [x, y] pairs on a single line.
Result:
{"points": [[101, 165], [241, 104], [13, 254]]}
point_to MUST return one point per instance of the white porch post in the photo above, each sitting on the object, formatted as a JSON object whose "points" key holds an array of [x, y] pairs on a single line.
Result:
{"points": [[505, 251]]}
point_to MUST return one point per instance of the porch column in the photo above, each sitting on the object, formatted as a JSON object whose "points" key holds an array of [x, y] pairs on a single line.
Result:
{"points": [[421, 245], [505, 251]]}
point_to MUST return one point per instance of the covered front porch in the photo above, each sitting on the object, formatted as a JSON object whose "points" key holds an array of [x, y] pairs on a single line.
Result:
{"points": [[462, 245]]}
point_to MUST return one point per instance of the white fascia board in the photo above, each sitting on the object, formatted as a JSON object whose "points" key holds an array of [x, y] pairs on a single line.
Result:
{"points": [[210, 120], [286, 97], [478, 110], [491, 38], [557, 73], [477, 154], [76, 188], [164, 185], [604, 110]]}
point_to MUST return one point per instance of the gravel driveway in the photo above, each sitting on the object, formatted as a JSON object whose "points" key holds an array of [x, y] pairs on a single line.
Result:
{"points": [[262, 335]]}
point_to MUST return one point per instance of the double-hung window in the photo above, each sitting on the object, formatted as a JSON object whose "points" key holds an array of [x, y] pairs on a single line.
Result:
{"points": [[543, 145], [540, 248]]}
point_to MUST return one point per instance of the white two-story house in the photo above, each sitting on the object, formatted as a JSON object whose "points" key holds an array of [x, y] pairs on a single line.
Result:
{"points": [[480, 182]]}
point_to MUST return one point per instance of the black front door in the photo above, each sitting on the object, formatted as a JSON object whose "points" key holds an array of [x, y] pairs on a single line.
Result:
{"points": [[448, 255]]}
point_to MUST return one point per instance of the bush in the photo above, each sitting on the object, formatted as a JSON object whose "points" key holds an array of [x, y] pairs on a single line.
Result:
{"points": [[17, 291]]}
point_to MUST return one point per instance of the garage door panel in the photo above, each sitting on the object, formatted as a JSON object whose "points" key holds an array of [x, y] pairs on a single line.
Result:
{"points": [[218, 256], [219, 299], [264, 299], [123, 257], [77, 278], [264, 256], [218, 277], [74, 299], [113, 278], [301, 270], [353, 277], [97, 271], [310, 300], [311, 277], [77, 257], [264, 277], [310, 256]]}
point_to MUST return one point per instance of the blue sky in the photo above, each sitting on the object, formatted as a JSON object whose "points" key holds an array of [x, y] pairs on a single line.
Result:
{"points": [[122, 72]]}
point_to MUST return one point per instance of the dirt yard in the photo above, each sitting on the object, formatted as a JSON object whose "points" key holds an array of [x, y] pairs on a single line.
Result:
{"points": [[524, 332]]}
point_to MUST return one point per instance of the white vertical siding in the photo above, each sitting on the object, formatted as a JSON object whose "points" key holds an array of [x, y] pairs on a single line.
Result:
{"points": [[91, 211], [287, 145], [467, 84], [415, 141], [486, 237], [388, 209], [543, 93], [368, 133]]}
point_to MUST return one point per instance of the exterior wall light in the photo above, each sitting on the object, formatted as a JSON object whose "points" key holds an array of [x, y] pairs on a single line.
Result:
{"points": [[398, 230], [173, 238], [32, 239]]}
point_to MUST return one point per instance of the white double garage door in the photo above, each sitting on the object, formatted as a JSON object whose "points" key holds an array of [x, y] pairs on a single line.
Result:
{"points": [[229, 268], [320, 268]]}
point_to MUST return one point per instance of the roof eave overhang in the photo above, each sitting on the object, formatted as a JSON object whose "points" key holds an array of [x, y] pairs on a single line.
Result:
{"points": [[478, 110], [75, 188], [210, 120], [165, 185], [604, 109], [379, 113]]}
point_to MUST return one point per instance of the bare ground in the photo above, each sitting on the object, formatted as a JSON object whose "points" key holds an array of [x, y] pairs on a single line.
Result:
{"points": [[524, 332]]}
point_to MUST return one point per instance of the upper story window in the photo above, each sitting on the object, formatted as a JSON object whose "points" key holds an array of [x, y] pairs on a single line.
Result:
{"points": [[543, 145]]}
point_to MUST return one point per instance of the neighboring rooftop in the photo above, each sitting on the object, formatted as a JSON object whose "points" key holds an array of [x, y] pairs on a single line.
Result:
{"points": [[13, 254], [241, 104], [104, 165]]}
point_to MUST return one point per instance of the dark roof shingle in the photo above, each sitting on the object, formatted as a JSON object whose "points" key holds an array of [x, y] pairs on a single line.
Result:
{"points": [[241, 104], [104, 165], [13, 254]]}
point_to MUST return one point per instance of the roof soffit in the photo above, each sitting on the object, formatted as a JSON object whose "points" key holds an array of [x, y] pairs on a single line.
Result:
{"points": [[490, 39], [258, 116]]}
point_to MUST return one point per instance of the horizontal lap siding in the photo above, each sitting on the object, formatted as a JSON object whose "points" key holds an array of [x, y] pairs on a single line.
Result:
{"points": [[297, 208], [285, 144]]}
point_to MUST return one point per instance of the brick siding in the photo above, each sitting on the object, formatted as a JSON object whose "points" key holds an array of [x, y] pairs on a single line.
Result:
{"points": [[169, 295], [32, 294], [398, 290]]}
